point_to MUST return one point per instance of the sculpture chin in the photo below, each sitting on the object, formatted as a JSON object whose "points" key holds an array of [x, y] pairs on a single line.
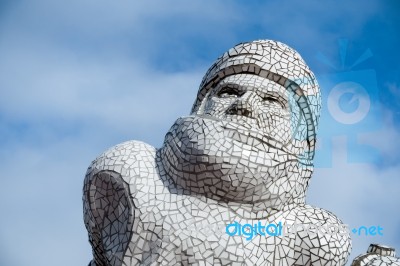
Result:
{"points": [[226, 161]]}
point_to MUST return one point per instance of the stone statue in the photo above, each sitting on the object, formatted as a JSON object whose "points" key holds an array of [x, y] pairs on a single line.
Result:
{"points": [[243, 158]]}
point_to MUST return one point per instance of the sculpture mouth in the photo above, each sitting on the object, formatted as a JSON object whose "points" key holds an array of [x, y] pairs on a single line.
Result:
{"points": [[247, 122], [247, 128], [239, 122]]}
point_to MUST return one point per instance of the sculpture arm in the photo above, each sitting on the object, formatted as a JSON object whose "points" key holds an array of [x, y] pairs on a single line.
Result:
{"points": [[111, 210], [108, 214]]}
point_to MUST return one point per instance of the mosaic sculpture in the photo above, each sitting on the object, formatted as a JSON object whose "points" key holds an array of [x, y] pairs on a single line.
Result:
{"points": [[243, 158], [377, 255]]}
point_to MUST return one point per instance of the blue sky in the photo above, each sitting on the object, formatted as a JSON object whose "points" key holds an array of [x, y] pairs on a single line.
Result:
{"points": [[77, 77]]}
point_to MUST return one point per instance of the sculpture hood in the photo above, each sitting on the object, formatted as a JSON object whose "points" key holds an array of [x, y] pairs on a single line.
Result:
{"points": [[275, 61]]}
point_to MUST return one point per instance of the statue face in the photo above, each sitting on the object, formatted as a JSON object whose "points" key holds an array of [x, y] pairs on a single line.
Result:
{"points": [[240, 141], [256, 103]]}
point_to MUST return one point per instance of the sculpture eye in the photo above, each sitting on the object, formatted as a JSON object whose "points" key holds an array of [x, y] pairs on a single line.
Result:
{"points": [[228, 92], [272, 100]]}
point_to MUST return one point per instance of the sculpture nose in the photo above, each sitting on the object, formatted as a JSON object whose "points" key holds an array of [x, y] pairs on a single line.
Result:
{"points": [[244, 105]]}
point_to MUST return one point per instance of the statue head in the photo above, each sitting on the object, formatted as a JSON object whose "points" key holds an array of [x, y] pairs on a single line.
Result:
{"points": [[278, 76], [251, 133]]}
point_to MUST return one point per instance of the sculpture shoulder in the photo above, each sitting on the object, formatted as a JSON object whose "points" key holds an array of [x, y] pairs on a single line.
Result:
{"points": [[129, 166], [129, 159], [316, 215], [321, 229]]}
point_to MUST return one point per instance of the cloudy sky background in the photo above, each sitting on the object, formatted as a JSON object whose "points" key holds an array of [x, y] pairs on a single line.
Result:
{"points": [[77, 77]]}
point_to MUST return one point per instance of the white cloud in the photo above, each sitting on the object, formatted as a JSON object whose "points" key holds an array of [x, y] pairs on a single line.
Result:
{"points": [[385, 139], [42, 211]]}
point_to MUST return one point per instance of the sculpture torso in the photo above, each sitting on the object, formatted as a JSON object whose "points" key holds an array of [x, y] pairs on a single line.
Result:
{"points": [[171, 227]]}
